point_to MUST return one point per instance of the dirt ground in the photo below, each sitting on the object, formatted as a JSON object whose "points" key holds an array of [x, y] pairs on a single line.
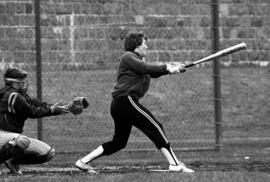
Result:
{"points": [[250, 157]]}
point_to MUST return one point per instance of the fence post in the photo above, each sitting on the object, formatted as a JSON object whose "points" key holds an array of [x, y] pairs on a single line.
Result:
{"points": [[38, 62], [216, 74]]}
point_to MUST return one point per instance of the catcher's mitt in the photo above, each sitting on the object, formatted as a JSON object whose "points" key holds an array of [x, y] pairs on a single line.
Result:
{"points": [[77, 105]]}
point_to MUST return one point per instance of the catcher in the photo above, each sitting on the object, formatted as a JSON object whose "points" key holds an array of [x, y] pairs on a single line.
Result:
{"points": [[16, 106]]}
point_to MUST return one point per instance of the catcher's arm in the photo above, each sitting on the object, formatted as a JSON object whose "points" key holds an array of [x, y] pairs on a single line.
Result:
{"points": [[58, 108], [77, 105]]}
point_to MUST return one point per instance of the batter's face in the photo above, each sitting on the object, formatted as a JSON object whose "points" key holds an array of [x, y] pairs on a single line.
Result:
{"points": [[142, 49]]}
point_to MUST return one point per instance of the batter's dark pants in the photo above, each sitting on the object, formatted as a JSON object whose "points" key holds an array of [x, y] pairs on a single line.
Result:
{"points": [[127, 112]]}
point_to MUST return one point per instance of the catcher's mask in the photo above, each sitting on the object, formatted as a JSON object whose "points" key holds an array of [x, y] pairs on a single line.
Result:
{"points": [[16, 75]]}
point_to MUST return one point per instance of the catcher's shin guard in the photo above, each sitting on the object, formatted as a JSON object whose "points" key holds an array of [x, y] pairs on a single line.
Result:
{"points": [[14, 148], [35, 158]]}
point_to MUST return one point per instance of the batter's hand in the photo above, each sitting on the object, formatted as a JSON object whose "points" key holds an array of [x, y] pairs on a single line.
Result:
{"points": [[172, 68], [181, 67]]}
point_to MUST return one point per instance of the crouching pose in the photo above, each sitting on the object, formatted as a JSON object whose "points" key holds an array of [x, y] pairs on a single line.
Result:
{"points": [[15, 107], [132, 82]]}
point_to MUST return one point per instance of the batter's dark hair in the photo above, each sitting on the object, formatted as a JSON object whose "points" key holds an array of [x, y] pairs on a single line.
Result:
{"points": [[134, 40]]}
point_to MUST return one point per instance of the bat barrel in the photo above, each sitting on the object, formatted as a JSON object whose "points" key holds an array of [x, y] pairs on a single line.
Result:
{"points": [[218, 54], [234, 48]]}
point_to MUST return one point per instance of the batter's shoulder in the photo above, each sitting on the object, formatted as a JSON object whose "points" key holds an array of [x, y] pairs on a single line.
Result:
{"points": [[128, 55]]}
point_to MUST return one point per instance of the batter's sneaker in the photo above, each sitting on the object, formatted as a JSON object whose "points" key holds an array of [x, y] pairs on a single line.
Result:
{"points": [[180, 168], [14, 168], [84, 167]]}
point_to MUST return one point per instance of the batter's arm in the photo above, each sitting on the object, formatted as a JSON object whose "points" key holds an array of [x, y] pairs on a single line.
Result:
{"points": [[141, 67]]}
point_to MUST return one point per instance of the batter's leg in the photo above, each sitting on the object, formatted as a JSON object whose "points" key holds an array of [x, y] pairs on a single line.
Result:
{"points": [[146, 122]]}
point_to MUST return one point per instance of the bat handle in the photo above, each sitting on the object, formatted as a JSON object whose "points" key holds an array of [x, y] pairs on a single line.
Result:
{"points": [[189, 65]]}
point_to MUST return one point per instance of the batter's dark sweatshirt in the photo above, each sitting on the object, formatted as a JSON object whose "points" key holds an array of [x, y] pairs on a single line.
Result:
{"points": [[133, 75]]}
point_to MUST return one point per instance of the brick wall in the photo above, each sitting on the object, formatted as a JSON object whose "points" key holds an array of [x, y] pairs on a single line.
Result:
{"points": [[90, 32]]}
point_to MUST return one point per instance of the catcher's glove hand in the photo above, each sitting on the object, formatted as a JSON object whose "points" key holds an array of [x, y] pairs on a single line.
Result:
{"points": [[58, 108], [77, 105]]}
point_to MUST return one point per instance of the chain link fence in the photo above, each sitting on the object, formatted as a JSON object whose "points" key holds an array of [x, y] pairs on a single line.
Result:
{"points": [[81, 42]]}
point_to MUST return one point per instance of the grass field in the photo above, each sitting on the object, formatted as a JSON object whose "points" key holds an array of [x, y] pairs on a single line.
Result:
{"points": [[184, 104], [186, 113]]}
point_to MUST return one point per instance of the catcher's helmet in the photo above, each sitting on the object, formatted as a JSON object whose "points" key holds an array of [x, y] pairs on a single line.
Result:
{"points": [[15, 75]]}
